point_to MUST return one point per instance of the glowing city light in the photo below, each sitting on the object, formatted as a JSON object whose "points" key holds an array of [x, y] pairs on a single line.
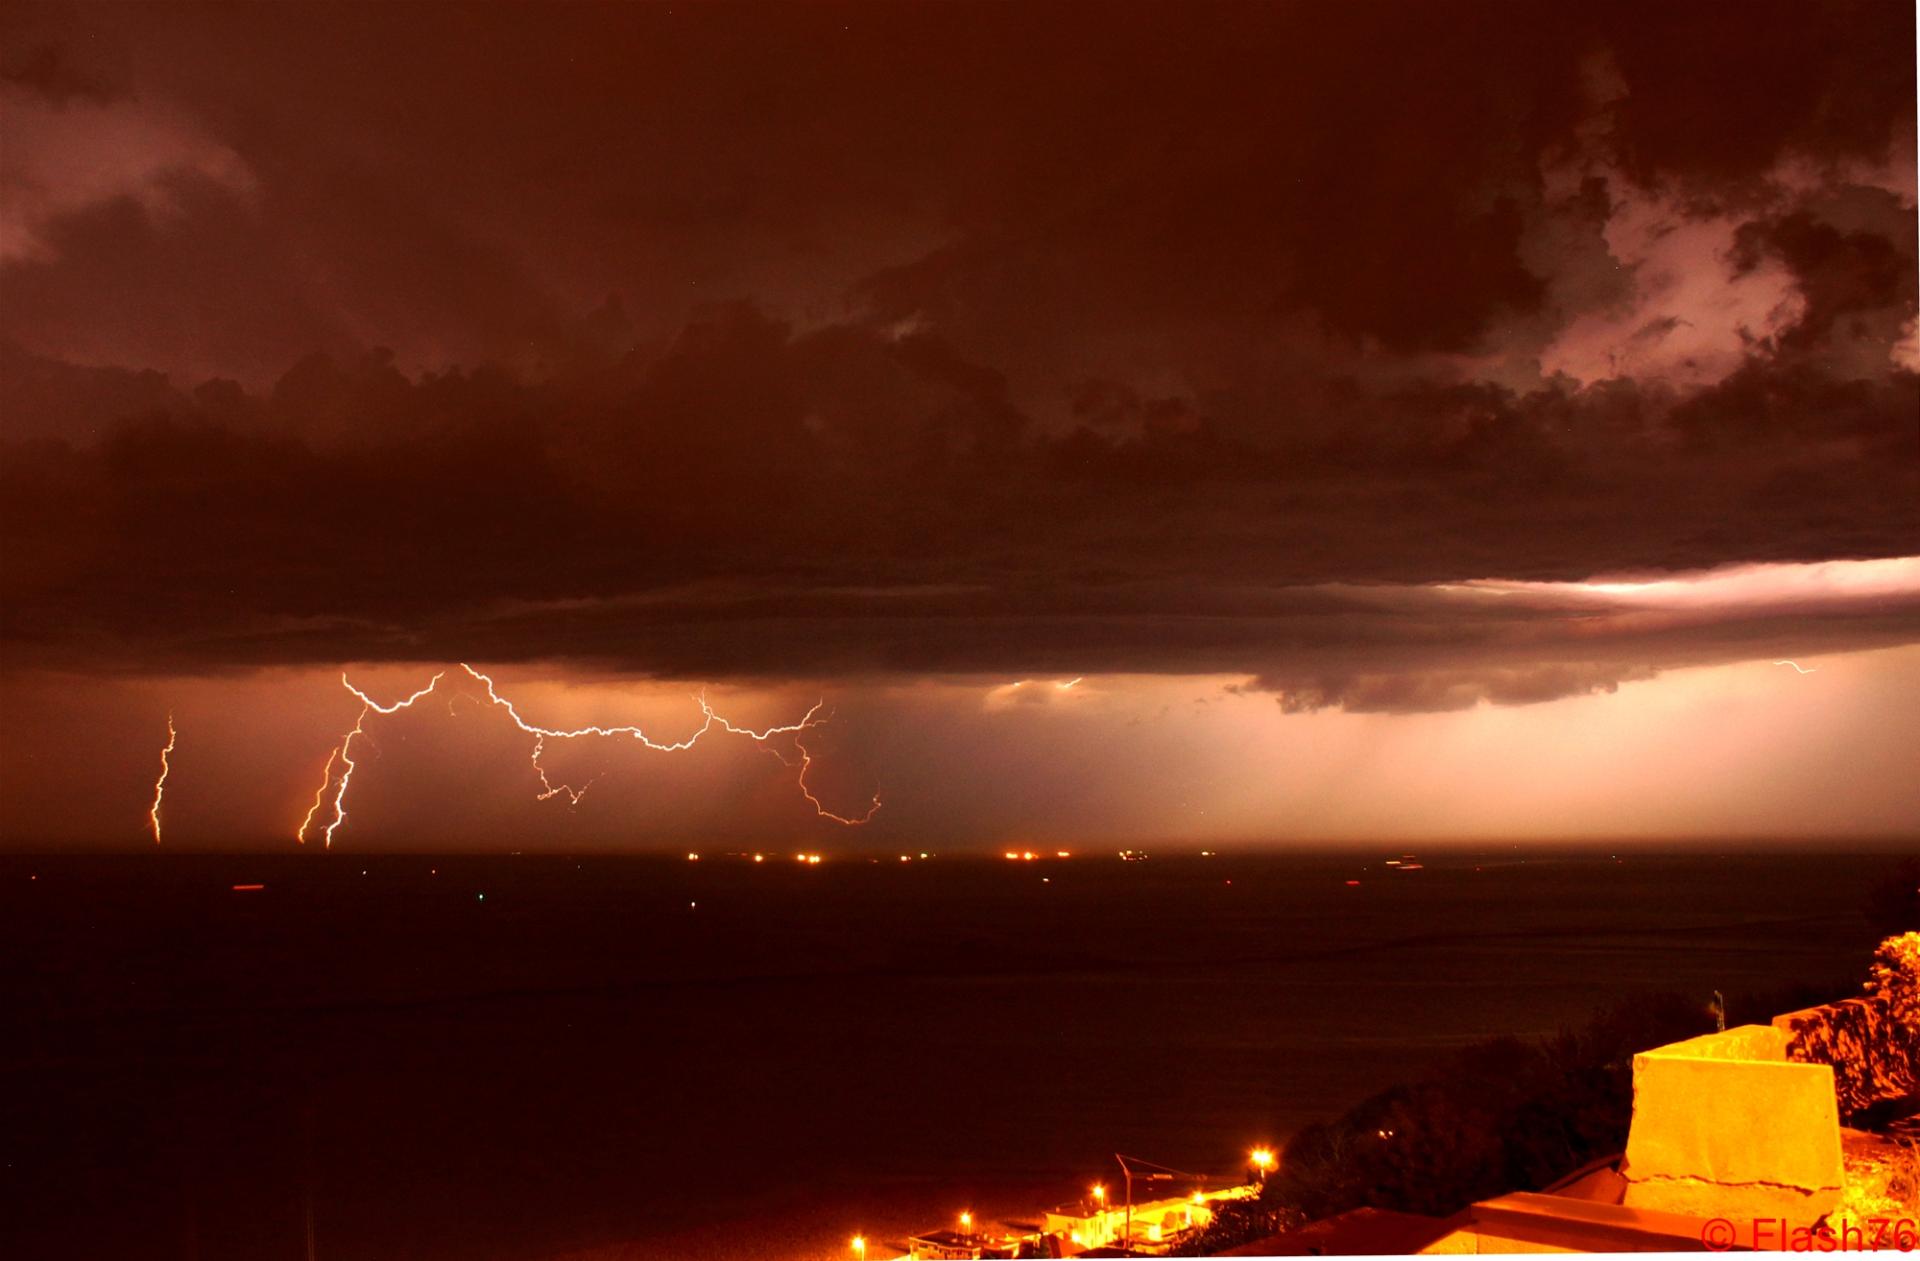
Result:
{"points": [[160, 784], [342, 754], [1262, 1158]]}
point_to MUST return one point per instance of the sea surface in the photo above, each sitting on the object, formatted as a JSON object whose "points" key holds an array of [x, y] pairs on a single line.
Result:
{"points": [[605, 1059]]}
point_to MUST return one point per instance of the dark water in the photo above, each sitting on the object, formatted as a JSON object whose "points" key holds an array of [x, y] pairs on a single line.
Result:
{"points": [[584, 1063]]}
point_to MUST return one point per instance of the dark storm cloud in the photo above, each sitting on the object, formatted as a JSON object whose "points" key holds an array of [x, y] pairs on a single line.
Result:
{"points": [[759, 501], [63, 67], [1047, 337], [1054, 183], [1857, 283], [1446, 691]]}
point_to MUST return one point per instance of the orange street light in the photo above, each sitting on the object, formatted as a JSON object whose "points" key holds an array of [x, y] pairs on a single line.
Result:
{"points": [[1262, 1158], [860, 1247], [966, 1223]]}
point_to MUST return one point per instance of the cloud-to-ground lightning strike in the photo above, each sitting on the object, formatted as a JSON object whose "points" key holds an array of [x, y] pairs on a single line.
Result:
{"points": [[710, 720], [344, 754], [1798, 667], [160, 784], [806, 764]]}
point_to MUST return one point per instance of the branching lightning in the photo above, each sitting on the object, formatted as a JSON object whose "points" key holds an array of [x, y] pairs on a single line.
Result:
{"points": [[806, 764], [1798, 667], [160, 784], [343, 752]]}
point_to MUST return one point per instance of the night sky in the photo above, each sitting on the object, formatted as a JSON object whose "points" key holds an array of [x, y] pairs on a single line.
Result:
{"points": [[1405, 421]]}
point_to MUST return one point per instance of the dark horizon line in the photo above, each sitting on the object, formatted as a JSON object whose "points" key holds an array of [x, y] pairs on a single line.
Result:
{"points": [[1045, 851]]}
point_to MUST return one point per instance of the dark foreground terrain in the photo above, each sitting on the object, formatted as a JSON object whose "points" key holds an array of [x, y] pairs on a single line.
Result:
{"points": [[525, 1057]]}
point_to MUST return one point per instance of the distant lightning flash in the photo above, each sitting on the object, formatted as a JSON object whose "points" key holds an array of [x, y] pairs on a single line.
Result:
{"points": [[1798, 667], [343, 753], [710, 720], [806, 764], [319, 795], [160, 784]]}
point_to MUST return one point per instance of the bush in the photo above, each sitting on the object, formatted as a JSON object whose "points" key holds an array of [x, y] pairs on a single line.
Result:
{"points": [[1894, 978], [1237, 1221]]}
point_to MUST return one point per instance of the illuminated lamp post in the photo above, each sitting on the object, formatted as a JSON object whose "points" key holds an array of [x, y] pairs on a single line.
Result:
{"points": [[1262, 1158], [860, 1248]]}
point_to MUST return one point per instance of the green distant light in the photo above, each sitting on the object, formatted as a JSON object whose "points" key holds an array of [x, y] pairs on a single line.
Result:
{"points": [[481, 896]]}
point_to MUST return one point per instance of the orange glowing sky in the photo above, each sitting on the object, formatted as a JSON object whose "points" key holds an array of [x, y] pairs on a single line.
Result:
{"points": [[1737, 746]]}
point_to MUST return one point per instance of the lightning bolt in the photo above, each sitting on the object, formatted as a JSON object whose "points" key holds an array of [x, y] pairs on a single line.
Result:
{"points": [[319, 794], [1798, 667], [343, 752], [160, 784], [806, 723], [806, 764]]}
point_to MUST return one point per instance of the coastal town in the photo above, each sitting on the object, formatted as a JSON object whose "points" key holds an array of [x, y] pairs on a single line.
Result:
{"points": [[1801, 1134], [1100, 1224]]}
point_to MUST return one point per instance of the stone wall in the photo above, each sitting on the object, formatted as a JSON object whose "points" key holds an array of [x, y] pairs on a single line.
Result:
{"points": [[1874, 1056], [1725, 1125]]}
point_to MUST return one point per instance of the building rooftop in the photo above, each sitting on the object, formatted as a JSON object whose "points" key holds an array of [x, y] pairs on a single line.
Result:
{"points": [[1359, 1232]]}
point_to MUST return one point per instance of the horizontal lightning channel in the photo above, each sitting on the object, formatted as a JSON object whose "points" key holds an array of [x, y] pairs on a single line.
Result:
{"points": [[342, 754]]}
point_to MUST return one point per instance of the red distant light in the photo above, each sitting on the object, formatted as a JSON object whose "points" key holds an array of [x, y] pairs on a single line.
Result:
{"points": [[1352, 883], [248, 888]]}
